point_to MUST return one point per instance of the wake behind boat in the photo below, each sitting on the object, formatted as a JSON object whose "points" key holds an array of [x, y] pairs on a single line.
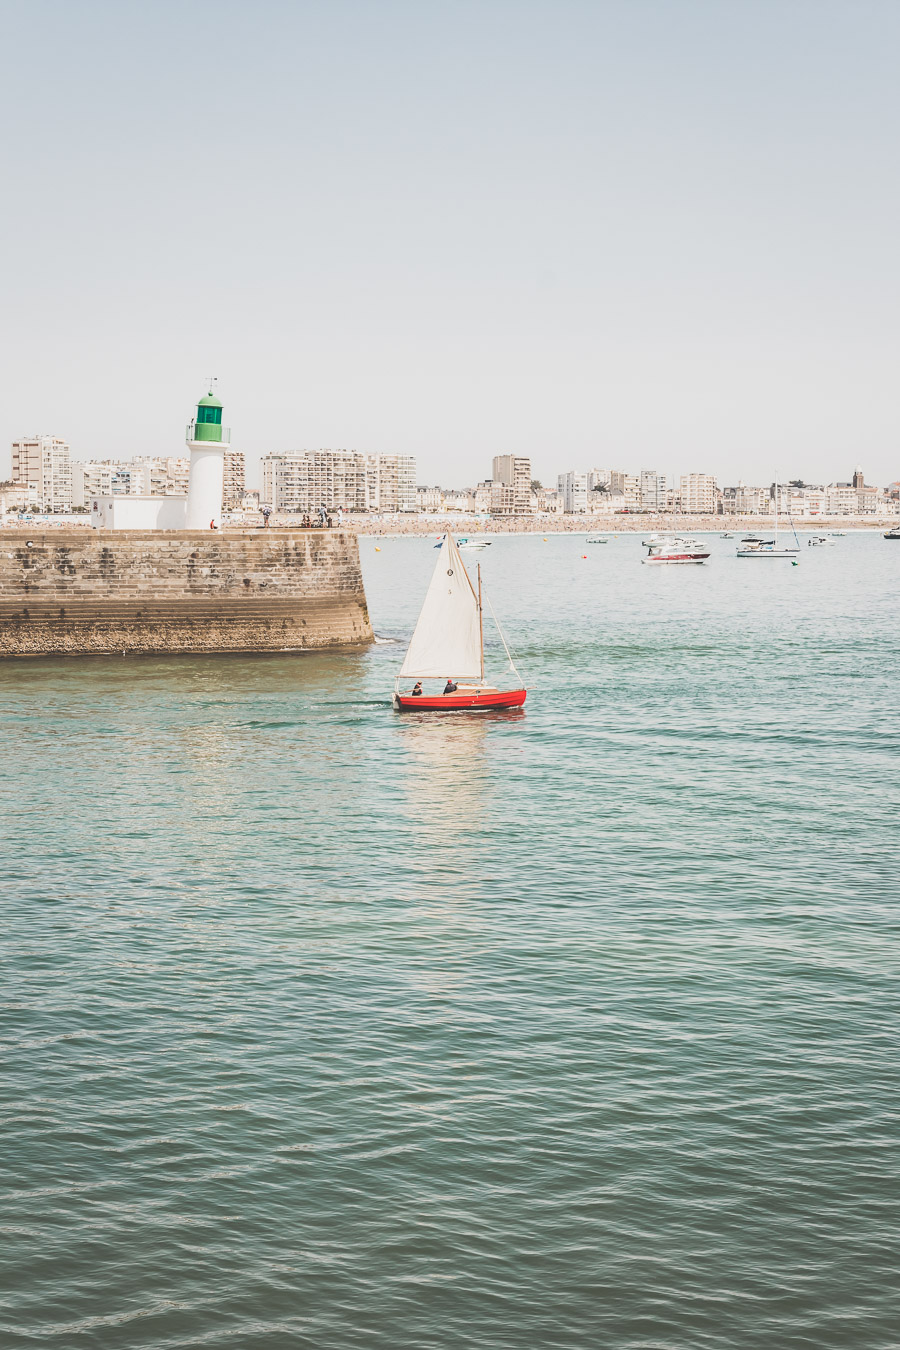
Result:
{"points": [[448, 647]]}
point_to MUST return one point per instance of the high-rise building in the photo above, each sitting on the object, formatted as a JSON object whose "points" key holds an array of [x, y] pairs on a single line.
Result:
{"points": [[304, 480], [391, 482], [44, 464], [235, 480], [698, 493], [503, 499], [514, 472], [573, 489], [159, 476], [652, 490]]}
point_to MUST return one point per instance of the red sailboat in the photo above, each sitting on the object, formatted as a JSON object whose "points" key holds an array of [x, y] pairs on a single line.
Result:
{"points": [[447, 647]]}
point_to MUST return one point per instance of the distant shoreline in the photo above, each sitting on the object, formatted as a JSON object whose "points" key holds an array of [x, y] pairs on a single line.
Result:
{"points": [[577, 525], [423, 526]]}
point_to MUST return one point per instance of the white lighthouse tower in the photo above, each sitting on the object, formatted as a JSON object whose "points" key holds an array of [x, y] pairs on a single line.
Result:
{"points": [[207, 441]]}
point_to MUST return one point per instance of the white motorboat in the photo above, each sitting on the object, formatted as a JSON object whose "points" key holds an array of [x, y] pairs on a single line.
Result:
{"points": [[820, 541], [464, 542], [676, 550], [765, 548], [598, 539]]}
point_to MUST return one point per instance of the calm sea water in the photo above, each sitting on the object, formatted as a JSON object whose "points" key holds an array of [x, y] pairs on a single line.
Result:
{"points": [[327, 1027]]}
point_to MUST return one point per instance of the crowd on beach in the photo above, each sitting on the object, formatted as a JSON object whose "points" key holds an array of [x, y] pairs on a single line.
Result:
{"points": [[583, 524], [422, 524]]}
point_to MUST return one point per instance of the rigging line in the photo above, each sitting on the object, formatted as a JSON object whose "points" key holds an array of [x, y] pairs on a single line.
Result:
{"points": [[794, 528], [502, 637]]}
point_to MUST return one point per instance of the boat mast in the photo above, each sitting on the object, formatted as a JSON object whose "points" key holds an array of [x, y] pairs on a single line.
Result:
{"points": [[480, 623], [776, 513]]}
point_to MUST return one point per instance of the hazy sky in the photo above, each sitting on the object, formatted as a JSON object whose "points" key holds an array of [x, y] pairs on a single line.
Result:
{"points": [[634, 233]]}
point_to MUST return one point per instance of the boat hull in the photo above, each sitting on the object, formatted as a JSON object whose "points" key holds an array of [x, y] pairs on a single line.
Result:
{"points": [[676, 558], [767, 553], [500, 698]]}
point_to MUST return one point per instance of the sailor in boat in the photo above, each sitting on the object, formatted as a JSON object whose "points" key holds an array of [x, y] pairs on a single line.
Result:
{"points": [[450, 629]]}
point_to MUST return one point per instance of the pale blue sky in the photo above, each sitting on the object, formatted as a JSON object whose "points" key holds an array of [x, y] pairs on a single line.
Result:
{"points": [[661, 232]]}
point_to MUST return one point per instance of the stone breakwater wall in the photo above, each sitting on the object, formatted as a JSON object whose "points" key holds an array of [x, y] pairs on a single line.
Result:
{"points": [[74, 592]]}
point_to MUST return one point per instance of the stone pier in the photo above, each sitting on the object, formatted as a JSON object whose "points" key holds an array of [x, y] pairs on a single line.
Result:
{"points": [[77, 592]]}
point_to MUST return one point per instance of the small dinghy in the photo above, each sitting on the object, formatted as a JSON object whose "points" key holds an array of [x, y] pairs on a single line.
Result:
{"points": [[447, 647]]}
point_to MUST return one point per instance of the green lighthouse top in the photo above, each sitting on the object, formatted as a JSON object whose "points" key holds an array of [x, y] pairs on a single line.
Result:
{"points": [[208, 426]]}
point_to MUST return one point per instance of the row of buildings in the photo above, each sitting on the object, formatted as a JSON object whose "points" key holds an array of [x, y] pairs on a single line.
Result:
{"points": [[46, 478], [510, 491], [608, 492], [303, 480], [605, 492]]}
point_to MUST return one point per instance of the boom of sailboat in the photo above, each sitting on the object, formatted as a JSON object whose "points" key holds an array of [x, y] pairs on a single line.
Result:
{"points": [[447, 647]]}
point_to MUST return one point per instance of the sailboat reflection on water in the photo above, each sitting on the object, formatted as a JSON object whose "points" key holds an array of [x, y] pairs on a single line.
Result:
{"points": [[448, 646]]}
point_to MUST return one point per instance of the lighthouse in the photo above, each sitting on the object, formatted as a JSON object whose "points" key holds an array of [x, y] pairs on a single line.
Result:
{"points": [[207, 441]]}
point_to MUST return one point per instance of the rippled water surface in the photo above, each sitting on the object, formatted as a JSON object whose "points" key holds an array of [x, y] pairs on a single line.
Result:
{"points": [[328, 1027]]}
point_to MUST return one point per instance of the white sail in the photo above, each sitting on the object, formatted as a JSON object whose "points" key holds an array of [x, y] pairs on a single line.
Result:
{"points": [[447, 640]]}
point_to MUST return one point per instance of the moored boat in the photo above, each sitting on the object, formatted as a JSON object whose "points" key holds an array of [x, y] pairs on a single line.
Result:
{"points": [[893, 533], [448, 646], [753, 546], [765, 548], [676, 550]]}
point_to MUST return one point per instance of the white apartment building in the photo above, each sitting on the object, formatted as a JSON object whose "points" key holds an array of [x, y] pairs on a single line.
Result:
{"points": [[14, 497], [459, 501], [698, 493], [631, 491], [746, 501], [143, 476], [235, 481], [44, 464], [505, 499], [514, 472], [391, 482], [165, 475], [95, 478], [434, 499], [573, 490], [629, 485], [429, 498], [303, 480], [652, 490], [483, 496], [550, 501]]}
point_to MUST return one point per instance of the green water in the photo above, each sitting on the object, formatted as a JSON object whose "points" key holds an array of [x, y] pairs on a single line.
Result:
{"points": [[327, 1027]]}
